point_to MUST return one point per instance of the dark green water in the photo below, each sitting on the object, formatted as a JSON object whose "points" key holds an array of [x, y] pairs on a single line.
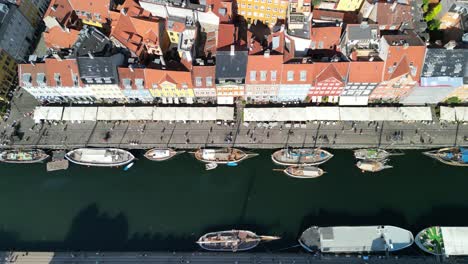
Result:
{"points": [[167, 206]]}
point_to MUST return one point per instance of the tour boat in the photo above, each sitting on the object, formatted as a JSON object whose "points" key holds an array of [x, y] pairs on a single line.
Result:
{"points": [[372, 165], [23, 156], [232, 240], [355, 239], [455, 156], [371, 154], [161, 154], [211, 166], [441, 240], [100, 157], [305, 157], [221, 156], [303, 172]]}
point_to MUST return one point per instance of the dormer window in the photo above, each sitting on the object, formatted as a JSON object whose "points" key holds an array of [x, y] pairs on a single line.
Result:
{"points": [[75, 80], [127, 83], [41, 79], [139, 83], [27, 78]]}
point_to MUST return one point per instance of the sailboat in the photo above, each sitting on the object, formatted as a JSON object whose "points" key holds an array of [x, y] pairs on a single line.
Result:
{"points": [[232, 240]]}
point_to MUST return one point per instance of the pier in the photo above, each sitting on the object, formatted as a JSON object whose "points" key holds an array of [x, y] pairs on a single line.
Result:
{"points": [[204, 258]]}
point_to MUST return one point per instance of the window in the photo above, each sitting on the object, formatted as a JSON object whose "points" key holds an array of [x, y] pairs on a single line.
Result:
{"points": [[290, 75], [198, 81], [263, 75], [253, 75], [303, 76], [209, 81], [273, 75]]}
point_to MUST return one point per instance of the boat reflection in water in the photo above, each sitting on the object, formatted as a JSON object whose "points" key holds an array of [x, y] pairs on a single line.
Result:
{"points": [[303, 172], [232, 240], [456, 156]]}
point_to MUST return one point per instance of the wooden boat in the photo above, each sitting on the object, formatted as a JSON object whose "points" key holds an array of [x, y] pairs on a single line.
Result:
{"points": [[23, 156], [211, 166], [372, 165], [221, 156], [305, 157], [104, 157], [454, 156], [303, 172], [232, 240], [371, 154], [161, 154]]}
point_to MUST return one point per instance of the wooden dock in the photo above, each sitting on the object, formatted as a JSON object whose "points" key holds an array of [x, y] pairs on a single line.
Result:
{"points": [[58, 161]]}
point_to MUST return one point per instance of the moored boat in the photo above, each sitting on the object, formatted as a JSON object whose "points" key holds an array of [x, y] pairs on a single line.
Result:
{"points": [[232, 240], [221, 156], [303, 156], [161, 154], [371, 154], [103, 157], [355, 239], [303, 172], [439, 240], [211, 166], [23, 156], [455, 156], [372, 165]]}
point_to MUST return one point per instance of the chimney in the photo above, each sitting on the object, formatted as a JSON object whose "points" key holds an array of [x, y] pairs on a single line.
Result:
{"points": [[266, 53], [130, 67], [232, 50]]}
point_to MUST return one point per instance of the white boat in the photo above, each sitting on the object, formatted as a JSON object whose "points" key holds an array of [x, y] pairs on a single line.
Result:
{"points": [[221, 156], [161, 154], [372, 165], [100, 157], [304, 157], [303, 172], [355, 239], [211, 166]]}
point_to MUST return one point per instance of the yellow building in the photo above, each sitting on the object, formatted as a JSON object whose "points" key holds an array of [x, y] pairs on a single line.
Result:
{"points": [[7, 74], [267, 11], [349, 5]]}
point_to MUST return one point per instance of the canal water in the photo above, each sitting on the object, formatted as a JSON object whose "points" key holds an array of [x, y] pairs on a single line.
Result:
{"points": [[168, 205]]}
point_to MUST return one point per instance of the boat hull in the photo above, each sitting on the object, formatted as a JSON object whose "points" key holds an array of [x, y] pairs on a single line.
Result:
{"points": [[100, 157], [355, 239], [236, 154], [290, 171], [440, 153], [275, 157], [233, 245], [41, 156], [171, 154]]}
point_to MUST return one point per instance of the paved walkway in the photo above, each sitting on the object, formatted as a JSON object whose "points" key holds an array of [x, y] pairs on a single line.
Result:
{"points": [[203, 258], [143, 135]]}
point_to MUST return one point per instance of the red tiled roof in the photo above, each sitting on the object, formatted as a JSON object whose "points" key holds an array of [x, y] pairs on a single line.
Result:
{"points": [[386, 17], [66, 68], [132, 74], [333, 15], [365, 71], [156, 76], [133, 9], [56, 37], [227, 5], [401, 69], [264, 63], [100, 7], [31, 69], [325, 71], [226, 35], [203, 72], [61, 10], [134, 32], [297, 68], [329, 36]]}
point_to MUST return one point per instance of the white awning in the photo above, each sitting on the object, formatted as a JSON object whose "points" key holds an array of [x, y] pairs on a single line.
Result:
{"points": [[90, 113], [140, 113], [182, 113], [225, 100], [168, 113], [354, 114], [225, 113], [55, 113], [461, 113], [196, 113], [104, 113], [447, 114], [455, 240], [323, 113], [209, 113], [40, 113], [73, 113]]}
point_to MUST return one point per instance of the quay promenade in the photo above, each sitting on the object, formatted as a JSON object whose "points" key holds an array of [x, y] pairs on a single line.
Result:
{"points": [[254, 135], [205, 258]]}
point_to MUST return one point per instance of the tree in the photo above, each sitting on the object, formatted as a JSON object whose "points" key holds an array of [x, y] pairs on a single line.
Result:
{"points": [[453, 100], [433, 24], [433, 13]]}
